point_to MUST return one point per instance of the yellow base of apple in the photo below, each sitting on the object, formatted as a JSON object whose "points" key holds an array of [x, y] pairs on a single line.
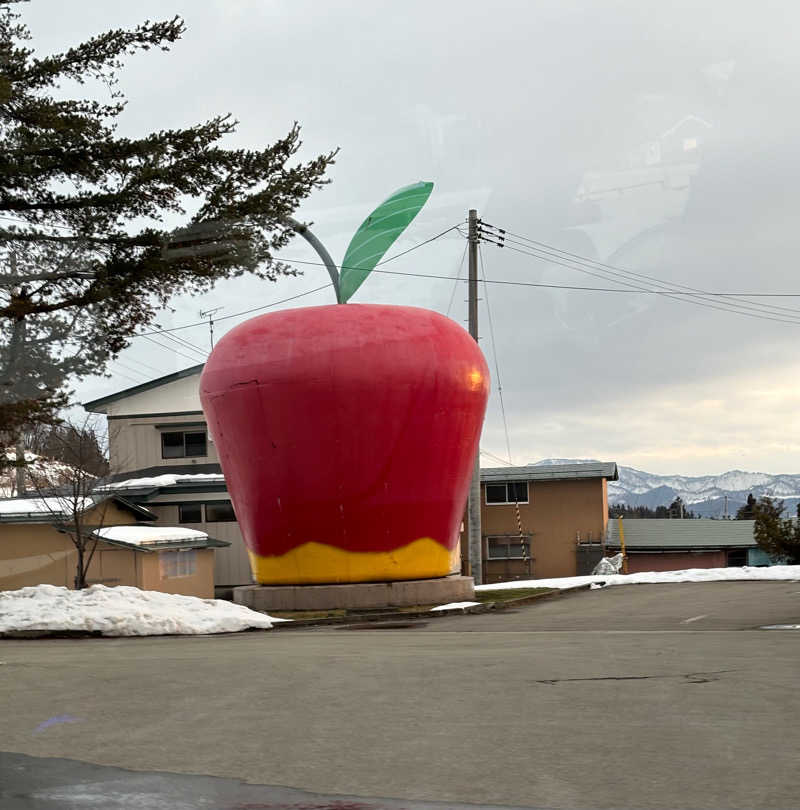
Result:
{"points": [[319, 564]]}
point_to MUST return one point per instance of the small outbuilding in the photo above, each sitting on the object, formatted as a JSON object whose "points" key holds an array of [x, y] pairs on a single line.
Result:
{"points": [[674, 545], [36, 548]]}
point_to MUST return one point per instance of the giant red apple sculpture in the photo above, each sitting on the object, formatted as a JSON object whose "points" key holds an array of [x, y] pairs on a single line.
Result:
{"points": [[347, 435]]}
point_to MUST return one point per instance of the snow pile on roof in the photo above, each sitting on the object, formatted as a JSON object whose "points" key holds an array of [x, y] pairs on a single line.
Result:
{"points": [[55, 506], [734, 574], [167, 480], [122, 611], [147, 535], [455, 606]]}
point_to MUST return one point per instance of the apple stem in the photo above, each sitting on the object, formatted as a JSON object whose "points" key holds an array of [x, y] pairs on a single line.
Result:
{"points": [[312, 240]]}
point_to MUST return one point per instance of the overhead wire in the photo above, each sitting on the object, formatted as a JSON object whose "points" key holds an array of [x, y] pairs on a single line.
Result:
{"points": [[455, 285], [496, 458], [545, 246], [237, 314], [185, 344], [675, 295], [170, 349], [308, 292], [494, 354], [680, 292], [621, 276]]}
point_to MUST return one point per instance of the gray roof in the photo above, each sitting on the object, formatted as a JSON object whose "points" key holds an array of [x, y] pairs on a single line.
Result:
{"points": [[97, 405], [663, 534], [552, 472]]}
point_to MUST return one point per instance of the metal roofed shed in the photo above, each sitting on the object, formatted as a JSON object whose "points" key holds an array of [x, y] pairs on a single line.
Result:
{"points": [[672, 544], [667, 534]]}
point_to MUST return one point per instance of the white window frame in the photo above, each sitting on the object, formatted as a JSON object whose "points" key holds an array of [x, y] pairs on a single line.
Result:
{"points": [[507, 540], [183, 432], [185, 563], [487, 484]]}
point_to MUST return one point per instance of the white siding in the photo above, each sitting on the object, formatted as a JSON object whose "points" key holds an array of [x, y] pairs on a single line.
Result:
{"points": [[179, 395]]}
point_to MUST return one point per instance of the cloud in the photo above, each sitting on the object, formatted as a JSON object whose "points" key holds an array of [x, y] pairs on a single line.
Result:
{"points": [[510, 108]]}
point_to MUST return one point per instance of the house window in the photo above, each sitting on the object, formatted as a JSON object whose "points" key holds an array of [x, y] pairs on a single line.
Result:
{"points": [[190, 513], [183, 444], [177, 564], [507, 492], [737, 557], [507, 548], [219, 512]]}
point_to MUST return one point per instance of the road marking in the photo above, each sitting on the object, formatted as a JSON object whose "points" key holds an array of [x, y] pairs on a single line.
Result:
{"points": [[781, 627], [695, 618]]}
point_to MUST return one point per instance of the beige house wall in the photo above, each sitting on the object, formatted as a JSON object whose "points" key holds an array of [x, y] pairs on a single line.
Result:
{"points": [[37, 553], [557, 514], [201, 583]]}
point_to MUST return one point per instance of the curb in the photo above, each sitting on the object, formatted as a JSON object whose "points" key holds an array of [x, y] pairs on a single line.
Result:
{"points": [[407, 617]]}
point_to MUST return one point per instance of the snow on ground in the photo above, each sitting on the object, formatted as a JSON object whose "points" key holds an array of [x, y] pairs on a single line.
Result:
{"points": [[146, 535], [123, 611], [455, 605], [774, 572]]}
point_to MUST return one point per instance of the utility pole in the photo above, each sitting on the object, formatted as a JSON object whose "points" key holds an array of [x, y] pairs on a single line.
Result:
{"points": [[210, 315], [474, 503]]}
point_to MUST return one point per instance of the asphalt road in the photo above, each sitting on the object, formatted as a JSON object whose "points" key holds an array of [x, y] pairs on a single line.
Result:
{"points": [[639, 696]]}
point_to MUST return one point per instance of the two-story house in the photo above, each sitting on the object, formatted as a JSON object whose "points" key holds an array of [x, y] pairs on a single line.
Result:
{"points": [[163, 457], [542, 521]]}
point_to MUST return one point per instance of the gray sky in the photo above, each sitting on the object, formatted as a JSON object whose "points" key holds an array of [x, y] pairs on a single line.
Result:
{"points": [[657, 138]]}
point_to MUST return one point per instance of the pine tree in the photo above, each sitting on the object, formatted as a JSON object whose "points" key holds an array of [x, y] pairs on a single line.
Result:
{"points": [[777, 536], [85, 257]]}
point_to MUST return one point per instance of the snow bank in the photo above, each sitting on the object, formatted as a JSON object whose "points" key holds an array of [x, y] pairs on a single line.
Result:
{"points": [[455, 605], [145, 535], [122, 611], [771, 573]]}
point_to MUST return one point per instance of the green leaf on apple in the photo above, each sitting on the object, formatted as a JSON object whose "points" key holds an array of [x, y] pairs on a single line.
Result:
{"points": [[377, 234]]}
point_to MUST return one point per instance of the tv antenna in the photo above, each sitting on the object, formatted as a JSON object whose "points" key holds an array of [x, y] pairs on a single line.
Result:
{"points": [[209, 313]]}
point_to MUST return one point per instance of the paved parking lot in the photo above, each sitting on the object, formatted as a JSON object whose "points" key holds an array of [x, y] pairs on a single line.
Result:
{"points": [[657, 696]]}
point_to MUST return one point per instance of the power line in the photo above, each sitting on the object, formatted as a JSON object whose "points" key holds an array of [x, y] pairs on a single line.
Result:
{"points": [[132, 379], [170, 349], [676, 295], [621, 276], [237, 314], [691, 294], [147, 366], [578, 287], [455, 285], [545, 246], [494, 353], [496, 458], [185, 344], [308, 292]]}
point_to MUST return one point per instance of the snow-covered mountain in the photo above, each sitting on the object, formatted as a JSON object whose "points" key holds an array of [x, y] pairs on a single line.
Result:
{"points": [[704, 494]]}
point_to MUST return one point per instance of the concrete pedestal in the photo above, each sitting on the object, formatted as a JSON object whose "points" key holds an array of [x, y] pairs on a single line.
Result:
{"points": [[355, 595]]}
